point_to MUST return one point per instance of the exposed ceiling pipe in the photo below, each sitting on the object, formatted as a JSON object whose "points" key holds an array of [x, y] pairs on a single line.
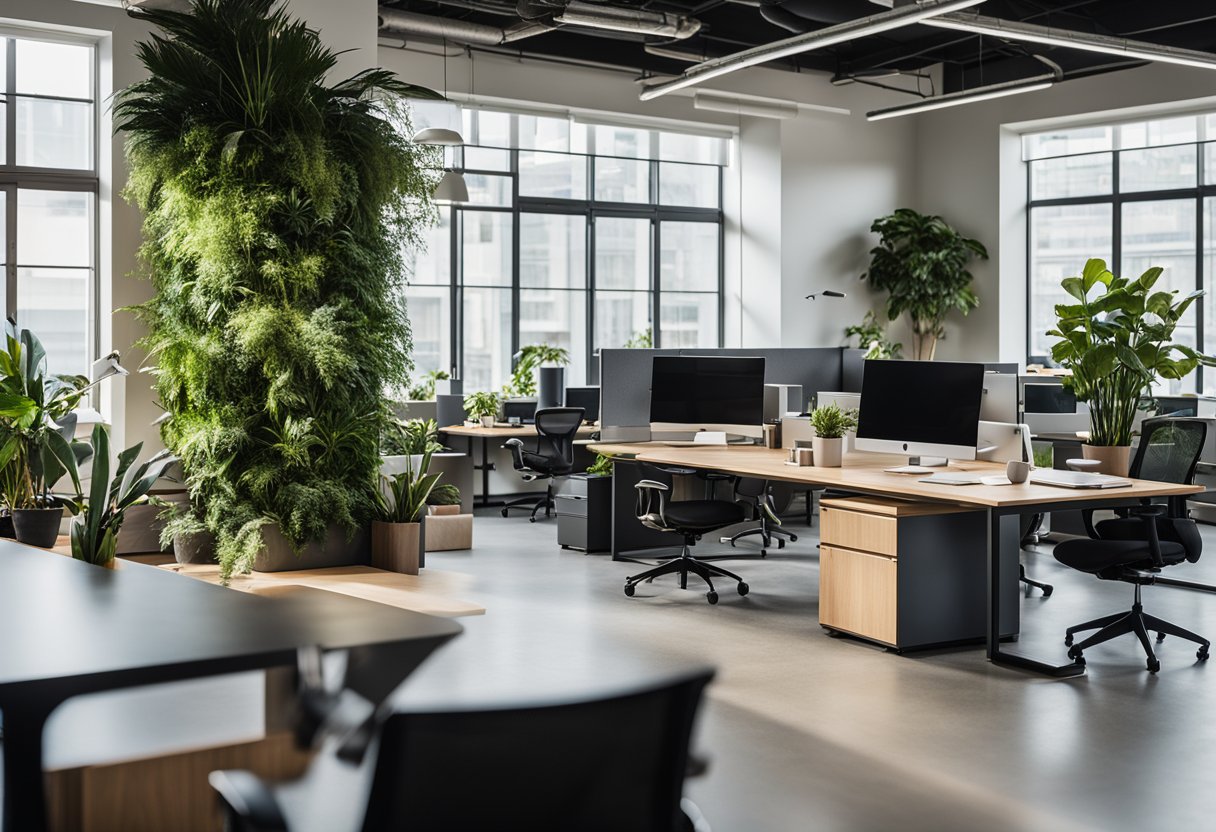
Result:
{"points": [[459, 31], [628, 20]]}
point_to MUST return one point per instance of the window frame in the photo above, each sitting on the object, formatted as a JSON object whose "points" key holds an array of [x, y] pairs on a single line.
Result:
{"points": [[1117, 199], [14, 177]]}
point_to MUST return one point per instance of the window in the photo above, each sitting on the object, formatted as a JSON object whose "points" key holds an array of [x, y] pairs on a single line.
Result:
{"points": [[583, 236], [1137, 195], [48, 194]]}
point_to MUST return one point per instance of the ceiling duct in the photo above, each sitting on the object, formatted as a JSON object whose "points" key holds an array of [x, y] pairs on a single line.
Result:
{"points": [[457, 31], [612, 18], [800, 16]]}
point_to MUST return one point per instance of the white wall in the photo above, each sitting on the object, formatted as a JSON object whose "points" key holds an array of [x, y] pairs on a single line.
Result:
{"points": [[968, 169]]}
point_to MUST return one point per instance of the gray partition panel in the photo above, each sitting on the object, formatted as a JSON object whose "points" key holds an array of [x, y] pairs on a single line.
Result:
{"points": [[625, 380]]}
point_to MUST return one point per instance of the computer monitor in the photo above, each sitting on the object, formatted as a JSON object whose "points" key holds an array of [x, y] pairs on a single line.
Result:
{"points": [[1049, 398], [588, 398], [524, 411], [920, 408], [1000, 403], [694, 393]]}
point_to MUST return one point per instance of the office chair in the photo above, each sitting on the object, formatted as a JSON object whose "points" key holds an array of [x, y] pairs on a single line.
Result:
{"points": [[613, 762], [755, 492], [1134, 547], [554, 456], [690, 519]]}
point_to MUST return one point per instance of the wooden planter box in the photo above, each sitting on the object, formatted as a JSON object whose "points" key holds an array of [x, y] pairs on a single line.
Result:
{"points": [[335, 550], [397, 547], [447, 529]]}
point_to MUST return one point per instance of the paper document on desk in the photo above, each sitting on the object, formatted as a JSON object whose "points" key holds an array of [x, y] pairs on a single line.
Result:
{"points": [[952, 479], [995, 479]]}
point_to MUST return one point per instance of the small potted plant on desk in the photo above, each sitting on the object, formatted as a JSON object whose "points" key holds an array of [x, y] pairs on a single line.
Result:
{"points": [[1116, 344], [831, 423], [397, 532], [95, 530], [482, 406]]}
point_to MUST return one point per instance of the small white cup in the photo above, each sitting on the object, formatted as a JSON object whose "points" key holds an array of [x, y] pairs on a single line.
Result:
{"points": [[1017, 471]]}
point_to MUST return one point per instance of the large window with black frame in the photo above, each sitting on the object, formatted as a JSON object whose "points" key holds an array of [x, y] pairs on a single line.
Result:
{"points": [[578, 235], [48, 192], [1136, 194]]}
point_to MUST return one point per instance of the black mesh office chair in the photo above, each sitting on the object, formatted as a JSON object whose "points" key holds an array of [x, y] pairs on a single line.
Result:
{"points": [[756, 493], [554, 456], [611, 763], [1134, 547], [690, 519]]}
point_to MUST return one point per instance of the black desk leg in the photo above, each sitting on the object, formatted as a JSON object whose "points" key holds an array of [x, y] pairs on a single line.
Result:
{"points": [[24, 797], [995, 653]]}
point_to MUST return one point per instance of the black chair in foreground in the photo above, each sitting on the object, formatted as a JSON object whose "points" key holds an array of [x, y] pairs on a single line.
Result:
{"points": [[1135, 547], [691, 519], [612, 763], [556, 428]]}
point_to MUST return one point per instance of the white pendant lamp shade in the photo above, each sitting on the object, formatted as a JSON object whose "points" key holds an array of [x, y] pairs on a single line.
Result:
{"points": [[440, 136], [451, 188]]}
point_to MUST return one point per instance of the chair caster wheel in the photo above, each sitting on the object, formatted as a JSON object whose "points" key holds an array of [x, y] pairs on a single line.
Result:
{"points": [[503, 512], [793, 538], [1076, 654], [629, 590], [1202, 654], [1068, 640], [711, 597], [1047, 590], [1153, 665], [744, 588], [1160, 637], [764, 553]]}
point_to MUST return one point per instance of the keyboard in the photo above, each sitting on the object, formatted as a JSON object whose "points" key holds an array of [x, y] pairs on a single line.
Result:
{"points": [[1076, 479]]}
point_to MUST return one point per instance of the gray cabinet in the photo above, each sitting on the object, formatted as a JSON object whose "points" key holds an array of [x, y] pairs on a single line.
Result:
{"points": [[584, 512]]}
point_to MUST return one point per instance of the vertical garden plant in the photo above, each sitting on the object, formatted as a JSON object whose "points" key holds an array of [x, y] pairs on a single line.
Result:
{"points": [[276, 208]]}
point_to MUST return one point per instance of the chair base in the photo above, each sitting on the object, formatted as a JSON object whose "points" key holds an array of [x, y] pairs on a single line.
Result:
{"points": [[683, 565], [1033, 584], [767, 535], [1133, 621], [545, 502]]}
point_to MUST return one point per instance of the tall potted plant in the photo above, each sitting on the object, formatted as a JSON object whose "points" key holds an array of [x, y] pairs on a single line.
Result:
{"points": [[921, 262], [548, 359], [276, 205], [1116, 343], [397, 530]]}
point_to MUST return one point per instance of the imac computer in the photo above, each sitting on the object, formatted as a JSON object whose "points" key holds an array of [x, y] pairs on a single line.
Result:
{"points": [[921, 408], [588, 398], [689, 394]]}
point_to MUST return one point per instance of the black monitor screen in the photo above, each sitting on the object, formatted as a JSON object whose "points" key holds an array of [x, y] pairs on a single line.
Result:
{"points": [[934, 402], [523, 411], [707, 391], [1049, 398], [588, 398]]}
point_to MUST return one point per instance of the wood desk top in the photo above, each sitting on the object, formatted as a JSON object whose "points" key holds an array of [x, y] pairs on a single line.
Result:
{"points": [[864, 473], [477, 431]]}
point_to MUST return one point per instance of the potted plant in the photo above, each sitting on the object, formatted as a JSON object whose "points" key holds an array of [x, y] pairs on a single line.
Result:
{"points": [[277, 199], [186, 533], [444, 499], [831, 423], [396, 531], [95, 530], [551, 362], [423, 390], [872, 337], [1116, 344], [921, 262], [482, 406]]}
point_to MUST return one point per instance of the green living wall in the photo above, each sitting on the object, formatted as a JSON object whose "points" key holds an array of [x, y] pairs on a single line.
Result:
{"points": [[276, 207]]}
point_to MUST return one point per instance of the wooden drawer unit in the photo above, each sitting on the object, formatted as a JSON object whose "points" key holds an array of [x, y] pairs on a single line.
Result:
{"points": [[908, 574]]}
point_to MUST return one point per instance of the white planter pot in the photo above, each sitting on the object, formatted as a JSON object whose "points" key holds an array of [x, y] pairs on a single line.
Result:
{"points": [[487, 421], [827, 452]]}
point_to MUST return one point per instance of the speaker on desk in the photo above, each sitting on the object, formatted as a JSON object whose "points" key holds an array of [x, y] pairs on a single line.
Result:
{"points": [[449, 410], [551, 388]]}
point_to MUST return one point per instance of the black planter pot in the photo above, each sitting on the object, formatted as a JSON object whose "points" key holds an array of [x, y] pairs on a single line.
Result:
{"points": [[37, 526], [6, 527], [194, 548]]}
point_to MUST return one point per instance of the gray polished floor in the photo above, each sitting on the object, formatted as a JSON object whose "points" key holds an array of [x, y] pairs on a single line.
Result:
{"points": [[809, 732]]}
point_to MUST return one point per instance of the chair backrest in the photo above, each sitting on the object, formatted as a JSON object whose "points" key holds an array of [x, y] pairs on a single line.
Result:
{"points": [[613, 763], [557, 427], [1169, 449]]}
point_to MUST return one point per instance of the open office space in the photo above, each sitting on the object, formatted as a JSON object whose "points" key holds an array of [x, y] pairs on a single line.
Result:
{"points": [[757, 415]]}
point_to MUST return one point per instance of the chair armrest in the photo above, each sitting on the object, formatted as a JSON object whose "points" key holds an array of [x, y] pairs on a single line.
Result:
{"points": [[249, 805], [650, 491], [652, 484], [1150, 514], [516, 447]]}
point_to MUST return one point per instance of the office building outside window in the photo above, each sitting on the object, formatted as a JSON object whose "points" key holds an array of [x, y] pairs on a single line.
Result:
{"points": [[48, 193], [1137, 195], [582, 236]]}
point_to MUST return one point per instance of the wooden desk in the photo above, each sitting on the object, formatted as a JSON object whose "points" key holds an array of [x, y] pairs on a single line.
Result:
{"points": [[68, 628], [475, 432], [863, 473]]}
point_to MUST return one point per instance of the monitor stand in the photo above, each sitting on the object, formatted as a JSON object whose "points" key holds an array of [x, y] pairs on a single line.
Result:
{"points": [[929, 461]]}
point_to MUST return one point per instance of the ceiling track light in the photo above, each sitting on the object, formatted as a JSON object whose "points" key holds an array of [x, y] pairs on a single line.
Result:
{"points": [[954, 99], [914, 12], [1049, 36]]}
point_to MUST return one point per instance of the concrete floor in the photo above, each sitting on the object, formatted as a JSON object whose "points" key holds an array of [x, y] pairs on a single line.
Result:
{"points": [[809, 732]]}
